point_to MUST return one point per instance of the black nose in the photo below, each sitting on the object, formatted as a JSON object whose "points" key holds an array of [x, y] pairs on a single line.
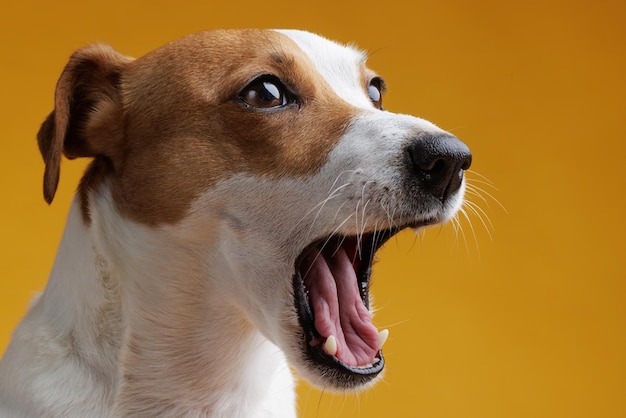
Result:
{"points": [[438, 162]]}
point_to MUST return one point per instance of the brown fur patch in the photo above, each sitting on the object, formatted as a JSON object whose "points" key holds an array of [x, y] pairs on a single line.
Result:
{"points": [[172, 126]]}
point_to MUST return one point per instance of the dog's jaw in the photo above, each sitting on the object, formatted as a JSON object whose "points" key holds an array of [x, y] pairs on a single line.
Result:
{"points": [[357, 191]]}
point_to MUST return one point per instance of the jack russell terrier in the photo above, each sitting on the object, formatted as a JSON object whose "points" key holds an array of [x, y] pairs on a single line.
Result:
{"points": [[241, 184]]}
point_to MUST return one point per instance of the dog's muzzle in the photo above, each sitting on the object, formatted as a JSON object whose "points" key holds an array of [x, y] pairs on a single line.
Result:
{"points": [[332, 275]]}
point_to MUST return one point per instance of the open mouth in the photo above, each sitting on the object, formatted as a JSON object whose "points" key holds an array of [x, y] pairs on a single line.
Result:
{"points": [[331, 287]]}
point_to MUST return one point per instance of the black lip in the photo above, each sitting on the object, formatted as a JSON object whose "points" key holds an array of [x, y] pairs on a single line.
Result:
{"points": [[343, 375]]}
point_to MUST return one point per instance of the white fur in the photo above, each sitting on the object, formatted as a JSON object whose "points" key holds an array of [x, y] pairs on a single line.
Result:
{"points": [[338, 64], [228, 317]]}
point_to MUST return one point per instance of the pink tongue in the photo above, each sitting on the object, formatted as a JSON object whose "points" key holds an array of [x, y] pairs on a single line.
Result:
{"points": [[338, 308]]}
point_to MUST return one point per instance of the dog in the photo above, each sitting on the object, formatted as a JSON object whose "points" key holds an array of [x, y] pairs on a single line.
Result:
{"points": [[224, 232]]}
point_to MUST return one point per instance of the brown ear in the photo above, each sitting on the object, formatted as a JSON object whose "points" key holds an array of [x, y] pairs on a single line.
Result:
{"points": [[86, 121]]}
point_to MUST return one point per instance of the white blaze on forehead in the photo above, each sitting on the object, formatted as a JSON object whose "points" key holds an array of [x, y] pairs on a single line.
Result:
{"points": [[340, 65]]}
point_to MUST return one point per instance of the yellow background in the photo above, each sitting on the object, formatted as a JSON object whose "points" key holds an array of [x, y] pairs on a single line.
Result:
{"points": [[530, 322]]}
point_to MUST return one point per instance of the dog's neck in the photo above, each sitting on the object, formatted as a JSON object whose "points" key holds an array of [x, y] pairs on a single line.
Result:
{"points": [[136, 311]]}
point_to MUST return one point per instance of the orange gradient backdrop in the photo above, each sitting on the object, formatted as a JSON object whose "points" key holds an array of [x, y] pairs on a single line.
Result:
{"points": [[523, 312]]}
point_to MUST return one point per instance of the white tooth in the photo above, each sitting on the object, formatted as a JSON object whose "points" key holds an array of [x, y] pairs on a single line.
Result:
{"points": [[330, 346], [382, 337]]}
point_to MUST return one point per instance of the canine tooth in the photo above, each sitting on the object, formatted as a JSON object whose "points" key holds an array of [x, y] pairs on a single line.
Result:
{"points": [[330, 346], [382, 337]]}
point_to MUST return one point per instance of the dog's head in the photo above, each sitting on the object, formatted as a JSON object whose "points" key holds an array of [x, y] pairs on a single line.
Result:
{"points": [[276, 145]]}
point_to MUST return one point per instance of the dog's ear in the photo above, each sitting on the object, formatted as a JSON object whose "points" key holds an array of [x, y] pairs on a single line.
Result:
{"points": [[87, 116]]}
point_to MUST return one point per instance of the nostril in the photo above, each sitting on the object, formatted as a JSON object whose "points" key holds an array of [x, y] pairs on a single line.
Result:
{"points": [[431, 165], [423, 160]]}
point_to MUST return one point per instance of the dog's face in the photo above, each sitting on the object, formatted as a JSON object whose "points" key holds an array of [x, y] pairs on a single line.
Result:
{"points": [[269, 154]]}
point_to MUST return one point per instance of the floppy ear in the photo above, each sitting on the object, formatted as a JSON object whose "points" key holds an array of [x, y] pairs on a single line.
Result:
{"points": [[87, 116]]}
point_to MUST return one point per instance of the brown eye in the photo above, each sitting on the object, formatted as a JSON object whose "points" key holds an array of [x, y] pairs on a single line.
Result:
{"points": [[375, 91], [264, 93]]}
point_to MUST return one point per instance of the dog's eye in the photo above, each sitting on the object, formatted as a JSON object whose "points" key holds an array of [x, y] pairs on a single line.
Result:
{"points": [[264, 93], [375, 91]]}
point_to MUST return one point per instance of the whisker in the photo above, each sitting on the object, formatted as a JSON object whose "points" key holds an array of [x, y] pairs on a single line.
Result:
{"points": [[356, 226], [309, 233], [478, 190], [420, 236], [321, 205], [482, 215], [456, 227], [417, 235], [339, 245], [323, 246], [486, 183], [361, 229], [338, 176], [471, 225], [393, 324], [333, 192], [390, 216], [462, 232], [470, 190], [472, 185], [331, 195], [334, 233], [484, 178], [375, 238]]}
